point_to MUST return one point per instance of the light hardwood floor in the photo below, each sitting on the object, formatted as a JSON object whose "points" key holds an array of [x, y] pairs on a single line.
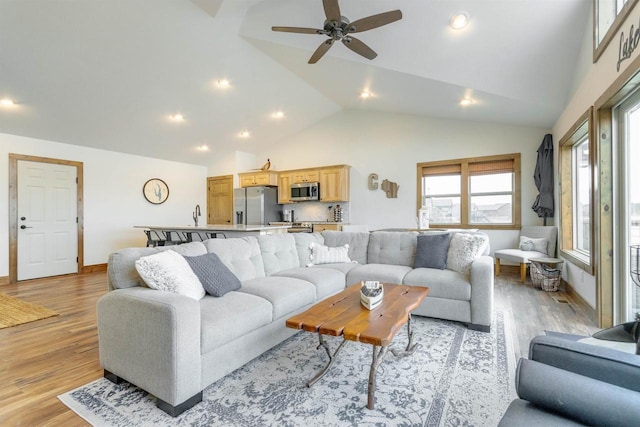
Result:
{"points": [[42, 359]]}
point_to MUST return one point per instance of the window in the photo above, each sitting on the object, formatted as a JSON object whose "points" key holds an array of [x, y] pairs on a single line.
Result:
{"points": [[581, 196], [576, 181], [609, 16], [481, 192]]}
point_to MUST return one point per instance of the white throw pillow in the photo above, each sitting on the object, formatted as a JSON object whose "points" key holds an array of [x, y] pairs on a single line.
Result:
{"points": [[531, 244], [169, 271], [463, 249], [321, 254]]}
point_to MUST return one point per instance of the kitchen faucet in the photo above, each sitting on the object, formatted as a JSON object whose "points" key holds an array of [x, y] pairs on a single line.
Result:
{"points": [[196, 214]]}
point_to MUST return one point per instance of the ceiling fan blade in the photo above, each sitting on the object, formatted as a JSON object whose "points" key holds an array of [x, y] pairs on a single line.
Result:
{"points": [[320, 51], [297, 30], [374, 21], [332, 10], [359, 47]]}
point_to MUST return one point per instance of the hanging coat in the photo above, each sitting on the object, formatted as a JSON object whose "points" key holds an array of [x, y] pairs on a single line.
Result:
{"points": [[543, 177]]}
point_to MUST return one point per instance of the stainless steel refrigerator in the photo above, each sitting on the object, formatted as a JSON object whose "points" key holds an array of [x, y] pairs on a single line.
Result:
{"points": [[256, 205]]}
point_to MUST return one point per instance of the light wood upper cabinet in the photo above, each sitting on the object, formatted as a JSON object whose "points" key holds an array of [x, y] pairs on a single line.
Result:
{"points": [[334, 184], [284, 187], [305, 175], [258, 178]]}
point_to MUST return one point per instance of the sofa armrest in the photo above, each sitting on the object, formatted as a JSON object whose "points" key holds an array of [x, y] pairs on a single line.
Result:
{"points": [[581, 398], [600, 363], [482, 290], [152, 339]]}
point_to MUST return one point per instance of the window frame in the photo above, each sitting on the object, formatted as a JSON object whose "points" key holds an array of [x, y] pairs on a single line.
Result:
{"points": [[599, 48], [465, 194], [582, 128]]}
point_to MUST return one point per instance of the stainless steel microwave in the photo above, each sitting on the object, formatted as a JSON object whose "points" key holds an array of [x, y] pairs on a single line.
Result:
{"points": [[304, 191]]}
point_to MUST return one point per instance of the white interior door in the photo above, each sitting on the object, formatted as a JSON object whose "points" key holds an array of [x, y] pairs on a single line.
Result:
{"points": [[47, 220]]}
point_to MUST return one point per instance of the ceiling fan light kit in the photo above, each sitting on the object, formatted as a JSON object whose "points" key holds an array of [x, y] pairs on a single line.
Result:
{"points": [[338, 27]]}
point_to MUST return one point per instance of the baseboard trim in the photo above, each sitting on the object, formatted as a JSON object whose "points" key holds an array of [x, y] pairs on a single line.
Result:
{"points": [[96, 268], [589, 311], [4, 280]]}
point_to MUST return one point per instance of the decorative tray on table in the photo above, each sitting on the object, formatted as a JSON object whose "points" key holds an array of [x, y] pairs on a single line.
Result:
{"points": [[371, 294]]}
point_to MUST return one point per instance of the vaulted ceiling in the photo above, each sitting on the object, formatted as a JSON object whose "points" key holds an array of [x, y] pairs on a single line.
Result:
{"points": [[109, 74]]}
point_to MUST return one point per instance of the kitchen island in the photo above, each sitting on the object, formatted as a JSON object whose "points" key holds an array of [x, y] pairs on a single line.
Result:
{"points": [[189, 233]]}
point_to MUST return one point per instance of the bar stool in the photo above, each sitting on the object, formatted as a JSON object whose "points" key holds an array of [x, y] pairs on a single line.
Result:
{"points": [[153, 238]]}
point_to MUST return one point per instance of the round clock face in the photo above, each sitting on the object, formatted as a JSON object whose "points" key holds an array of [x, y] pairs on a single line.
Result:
{"points": [[155, 191]]}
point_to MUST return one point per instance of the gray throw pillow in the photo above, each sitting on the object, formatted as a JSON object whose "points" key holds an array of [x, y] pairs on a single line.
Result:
{"points": [[432, 250], [215, 277]]}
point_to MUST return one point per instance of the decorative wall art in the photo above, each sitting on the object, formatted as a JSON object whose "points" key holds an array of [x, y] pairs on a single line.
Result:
{"points": [[391, 188], [156, 191]]}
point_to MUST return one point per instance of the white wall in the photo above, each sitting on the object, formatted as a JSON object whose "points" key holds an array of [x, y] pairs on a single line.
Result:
{"points": [[113, 200], [391, 145], [597, 78]]}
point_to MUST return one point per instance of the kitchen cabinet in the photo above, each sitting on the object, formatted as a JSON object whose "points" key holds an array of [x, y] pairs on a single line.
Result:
{"points": [[305, 175], [334, 184], [284, 188], [317, 228], [258, 178]]}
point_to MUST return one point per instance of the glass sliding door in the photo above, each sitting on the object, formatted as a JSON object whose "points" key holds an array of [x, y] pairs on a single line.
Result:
{"points": [[628, 117]]}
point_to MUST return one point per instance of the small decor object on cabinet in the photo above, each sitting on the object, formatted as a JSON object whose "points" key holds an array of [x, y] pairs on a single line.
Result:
{"points": [[156, 191], [371, 294]]}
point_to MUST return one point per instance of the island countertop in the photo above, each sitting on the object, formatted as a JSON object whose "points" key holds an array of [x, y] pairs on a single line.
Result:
{"points": [[214, 227]]}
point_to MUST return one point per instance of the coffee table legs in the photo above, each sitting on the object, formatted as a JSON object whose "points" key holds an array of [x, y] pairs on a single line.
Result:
{"points": [[332, 357], [376, 359], [378, 356]]}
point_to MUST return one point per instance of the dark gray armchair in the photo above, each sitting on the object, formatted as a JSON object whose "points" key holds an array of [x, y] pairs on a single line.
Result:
{"points": [[568, 383]]}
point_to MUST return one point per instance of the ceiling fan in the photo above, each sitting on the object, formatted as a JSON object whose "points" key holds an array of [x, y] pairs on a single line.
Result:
{"points": [[337, 27]]}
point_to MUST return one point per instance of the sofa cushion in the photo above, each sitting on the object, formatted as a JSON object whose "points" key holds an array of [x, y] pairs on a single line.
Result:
{"points": [[441, 283], [326, 280], [229, 317], [170, 272], [286, 294], [396, 248], [463, 249], [344, 267], [215, 277], [431, 251], [241, 255], [382, 272], [121, 270], [517, 255], [278, 252], [358, 243], [303, 242]]}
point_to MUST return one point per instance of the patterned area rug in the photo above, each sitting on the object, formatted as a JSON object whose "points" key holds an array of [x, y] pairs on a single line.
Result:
{"points": [[14, 311], [456, 377]]}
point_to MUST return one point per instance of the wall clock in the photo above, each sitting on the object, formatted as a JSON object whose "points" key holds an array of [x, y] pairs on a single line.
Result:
{"points": [[156, 191]]}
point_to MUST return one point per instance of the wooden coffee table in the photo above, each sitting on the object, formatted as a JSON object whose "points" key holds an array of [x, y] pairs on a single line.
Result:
{"points": [[343, 315]]}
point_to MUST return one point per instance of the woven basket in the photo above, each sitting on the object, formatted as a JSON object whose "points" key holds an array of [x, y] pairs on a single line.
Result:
{"points": [[547, 278]]}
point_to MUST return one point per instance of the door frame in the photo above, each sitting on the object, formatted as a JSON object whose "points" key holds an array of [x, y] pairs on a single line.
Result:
{"points": [[13, 209]]}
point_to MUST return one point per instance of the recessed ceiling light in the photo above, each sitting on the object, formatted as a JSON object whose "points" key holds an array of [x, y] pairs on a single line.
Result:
{"points": [[6, 102], [224, 83], [202, 147], [365, 94], [177, 117], [244, 134], [278, 115], [467, 101], [459, 21]]}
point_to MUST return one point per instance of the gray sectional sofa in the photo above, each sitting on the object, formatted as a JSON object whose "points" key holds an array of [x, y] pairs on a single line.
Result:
{"points": [[174, 346]]}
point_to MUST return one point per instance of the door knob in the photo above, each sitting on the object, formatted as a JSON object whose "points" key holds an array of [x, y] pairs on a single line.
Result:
{"points": [[22, 218], [24, 226]]}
